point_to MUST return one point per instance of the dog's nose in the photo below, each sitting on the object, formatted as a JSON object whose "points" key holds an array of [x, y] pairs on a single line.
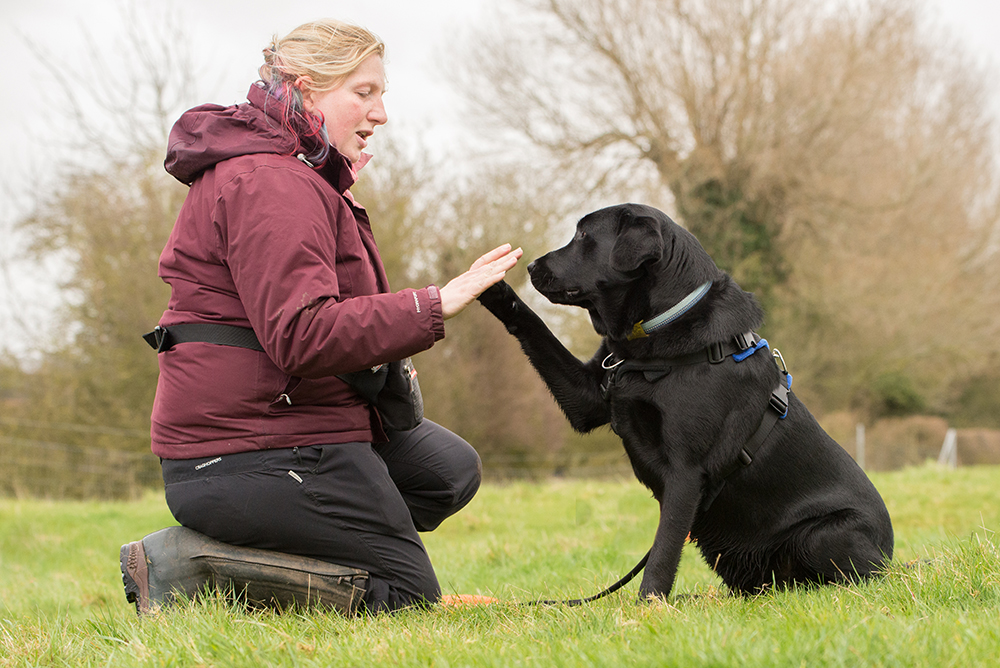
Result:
{"points": [[531, 266]]}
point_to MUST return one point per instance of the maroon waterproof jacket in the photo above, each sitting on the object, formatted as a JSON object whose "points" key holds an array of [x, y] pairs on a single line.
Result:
{"points": [[264, 240]]}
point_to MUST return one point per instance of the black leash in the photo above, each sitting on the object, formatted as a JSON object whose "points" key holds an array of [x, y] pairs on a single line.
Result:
{"points": [[610, 590]]}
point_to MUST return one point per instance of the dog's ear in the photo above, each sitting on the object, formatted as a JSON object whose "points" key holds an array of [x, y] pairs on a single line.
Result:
{"points": [[639, 240]]}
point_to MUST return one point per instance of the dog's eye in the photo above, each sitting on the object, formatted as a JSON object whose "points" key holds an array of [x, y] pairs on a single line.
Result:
{"points": [[581, 235]]}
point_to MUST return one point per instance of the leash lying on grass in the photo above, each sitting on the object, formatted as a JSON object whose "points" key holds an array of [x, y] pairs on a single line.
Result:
{"points": [[464, 600], [610, 590]]}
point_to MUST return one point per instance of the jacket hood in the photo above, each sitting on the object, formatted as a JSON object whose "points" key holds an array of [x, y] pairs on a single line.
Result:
{"points": [[210, 133]]}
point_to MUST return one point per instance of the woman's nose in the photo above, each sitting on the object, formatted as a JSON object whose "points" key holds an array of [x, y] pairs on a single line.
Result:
{"points": [[377, 114]]}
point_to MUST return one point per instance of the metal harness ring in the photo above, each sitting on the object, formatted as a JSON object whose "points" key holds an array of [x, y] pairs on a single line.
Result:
{"points": [[604, 363], [778, 359]]}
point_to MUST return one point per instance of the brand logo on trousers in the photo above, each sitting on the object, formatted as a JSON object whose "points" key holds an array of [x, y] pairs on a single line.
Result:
{"points": [[208, 463]]}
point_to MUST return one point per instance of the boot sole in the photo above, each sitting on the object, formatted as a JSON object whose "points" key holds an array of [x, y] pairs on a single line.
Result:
{"points": [[135, 576]]}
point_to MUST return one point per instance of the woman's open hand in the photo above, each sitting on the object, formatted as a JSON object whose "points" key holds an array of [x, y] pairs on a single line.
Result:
{"points": [[486, 271]]}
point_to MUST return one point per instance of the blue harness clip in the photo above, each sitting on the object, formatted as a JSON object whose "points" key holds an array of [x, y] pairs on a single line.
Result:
{"points": [[739, 357]]}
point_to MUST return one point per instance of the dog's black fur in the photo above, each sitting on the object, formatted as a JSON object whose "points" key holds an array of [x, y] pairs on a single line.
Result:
{"points": [[802, 511]]}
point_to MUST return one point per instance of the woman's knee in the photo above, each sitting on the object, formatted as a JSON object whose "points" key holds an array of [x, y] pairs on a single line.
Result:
{"points": [[469, 476], [464, 475], [466, 465]]}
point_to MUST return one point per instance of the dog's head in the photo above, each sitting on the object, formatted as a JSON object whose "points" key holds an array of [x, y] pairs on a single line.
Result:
{"points": [[623, 263]]}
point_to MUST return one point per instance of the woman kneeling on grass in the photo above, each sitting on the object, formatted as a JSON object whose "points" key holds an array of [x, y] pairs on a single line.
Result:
{"points": [[267, 448]]}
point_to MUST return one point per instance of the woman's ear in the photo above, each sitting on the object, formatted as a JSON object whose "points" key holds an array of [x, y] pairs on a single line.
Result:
{"points": [[304, 86]]}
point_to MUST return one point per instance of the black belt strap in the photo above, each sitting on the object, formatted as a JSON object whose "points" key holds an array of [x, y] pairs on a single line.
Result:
{"points": [[163, 339]]}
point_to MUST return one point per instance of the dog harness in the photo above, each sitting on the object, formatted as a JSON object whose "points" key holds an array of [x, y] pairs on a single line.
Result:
{"points": [[739, 348]]}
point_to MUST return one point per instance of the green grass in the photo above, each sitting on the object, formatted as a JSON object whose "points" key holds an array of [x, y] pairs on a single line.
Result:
{"points": [[61, 601]]}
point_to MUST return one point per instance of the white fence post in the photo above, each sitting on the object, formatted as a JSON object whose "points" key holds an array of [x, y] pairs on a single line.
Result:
{"points": [[859, 445], [949, 450]]}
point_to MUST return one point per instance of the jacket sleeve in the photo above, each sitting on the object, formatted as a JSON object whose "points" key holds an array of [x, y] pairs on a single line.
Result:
{"points": [[278, 228]]}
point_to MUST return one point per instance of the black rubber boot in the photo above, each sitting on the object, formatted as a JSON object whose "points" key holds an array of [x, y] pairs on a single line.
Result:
{"points": [[177, 560]]}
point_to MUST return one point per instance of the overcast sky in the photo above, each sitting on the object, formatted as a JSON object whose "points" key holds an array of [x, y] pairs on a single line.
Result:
{"points": [[229, 36]]}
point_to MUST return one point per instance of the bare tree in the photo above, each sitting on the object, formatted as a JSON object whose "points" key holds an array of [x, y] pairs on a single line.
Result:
{"points": [[836, 158], [124, 93], [102, 225]]}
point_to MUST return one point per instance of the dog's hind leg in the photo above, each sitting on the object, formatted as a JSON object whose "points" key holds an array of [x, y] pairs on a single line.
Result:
{"points": [[840, 552]]}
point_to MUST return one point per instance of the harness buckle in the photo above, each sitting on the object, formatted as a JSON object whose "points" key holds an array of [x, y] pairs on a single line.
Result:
{"points": [[779, 404], [779, 397], [715, 354], [745, 340]]}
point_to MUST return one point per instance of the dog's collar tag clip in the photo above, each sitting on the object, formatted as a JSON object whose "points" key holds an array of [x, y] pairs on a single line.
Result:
{"points": [[638, 332], [643, 328]]}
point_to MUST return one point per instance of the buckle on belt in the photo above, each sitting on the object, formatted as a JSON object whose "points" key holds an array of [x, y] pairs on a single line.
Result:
{"points": [[158, 339]]}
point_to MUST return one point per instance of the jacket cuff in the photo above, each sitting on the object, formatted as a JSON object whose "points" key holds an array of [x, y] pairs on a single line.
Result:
{"points": [[437, 315]]}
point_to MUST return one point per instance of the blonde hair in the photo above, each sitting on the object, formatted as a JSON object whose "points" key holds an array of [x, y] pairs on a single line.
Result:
{"points": [[324, 52], [319, 56]]}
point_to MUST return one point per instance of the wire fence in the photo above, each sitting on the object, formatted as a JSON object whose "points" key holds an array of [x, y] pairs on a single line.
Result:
{"points": [[59, 470], [566, 464], [47, 469], [50, 469]]}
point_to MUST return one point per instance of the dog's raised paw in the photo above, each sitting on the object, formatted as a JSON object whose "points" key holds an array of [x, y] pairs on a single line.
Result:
{"points": [[499, 299]]}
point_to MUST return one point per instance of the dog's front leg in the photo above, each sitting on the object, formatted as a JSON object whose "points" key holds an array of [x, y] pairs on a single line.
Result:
{"points": [[678, 504], [574, 384]]}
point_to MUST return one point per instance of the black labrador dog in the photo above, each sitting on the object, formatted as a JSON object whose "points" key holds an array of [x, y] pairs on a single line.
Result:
{"points": [[704, 410]]}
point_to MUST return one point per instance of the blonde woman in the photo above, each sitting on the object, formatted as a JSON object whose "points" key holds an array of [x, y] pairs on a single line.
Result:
{"points": [[263, 446]]}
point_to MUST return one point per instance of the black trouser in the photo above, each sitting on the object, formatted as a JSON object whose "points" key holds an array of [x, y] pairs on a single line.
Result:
{"points": [[353, 504]]}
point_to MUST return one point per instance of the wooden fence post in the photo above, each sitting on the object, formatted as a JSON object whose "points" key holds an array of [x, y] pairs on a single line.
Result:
{"points": [[949, 450], [859, 445]]}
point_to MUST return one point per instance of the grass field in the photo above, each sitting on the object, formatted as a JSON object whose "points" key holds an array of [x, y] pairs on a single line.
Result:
{"points": [[61, 600]]}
